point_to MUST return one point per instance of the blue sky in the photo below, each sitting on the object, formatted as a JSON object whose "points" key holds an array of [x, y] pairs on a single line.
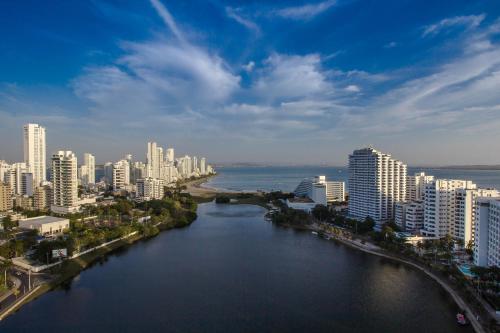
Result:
{"points": [[265, 81]]}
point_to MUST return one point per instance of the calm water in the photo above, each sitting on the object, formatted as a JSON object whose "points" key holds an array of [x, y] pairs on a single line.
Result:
{"points": [[233, 272], [287, 178]]}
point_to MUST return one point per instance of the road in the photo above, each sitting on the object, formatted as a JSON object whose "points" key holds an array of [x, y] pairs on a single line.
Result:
{"points": [[21, 280]]}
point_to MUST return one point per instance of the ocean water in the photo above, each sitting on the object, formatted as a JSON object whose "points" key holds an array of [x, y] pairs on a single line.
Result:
{"points": [[273, 178]]}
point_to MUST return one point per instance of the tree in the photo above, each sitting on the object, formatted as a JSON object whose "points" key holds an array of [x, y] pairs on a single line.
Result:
{"points": [[8, 224], [321, 213]]}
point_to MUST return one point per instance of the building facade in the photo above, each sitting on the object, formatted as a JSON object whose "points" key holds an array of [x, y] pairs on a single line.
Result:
{"points": [[487, 232], [150, 188], [65, 182], [34, 152], [5, 197], [440, 206], [415, 186], [376, 183], [465, 206], [121, 175]]}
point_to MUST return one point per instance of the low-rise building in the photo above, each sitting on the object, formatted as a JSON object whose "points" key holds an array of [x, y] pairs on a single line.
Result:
{"points": [[301, 203], [45, 225], [321, 191]]}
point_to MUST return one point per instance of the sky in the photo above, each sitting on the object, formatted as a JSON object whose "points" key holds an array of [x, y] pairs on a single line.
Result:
{"points": [[285, 82]]}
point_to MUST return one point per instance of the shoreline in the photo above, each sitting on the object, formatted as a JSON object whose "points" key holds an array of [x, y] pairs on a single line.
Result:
{"points": [[71, 268], [478, 328]]}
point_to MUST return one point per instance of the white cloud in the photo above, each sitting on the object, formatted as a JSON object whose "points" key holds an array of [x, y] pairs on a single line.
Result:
{"points": [[352, 88], [167, 18], [469, 22], [305, 12], [291, 77], [233, 13], [249, 67]]}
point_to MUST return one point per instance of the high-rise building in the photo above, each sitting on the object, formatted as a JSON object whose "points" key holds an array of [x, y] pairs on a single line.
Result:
{"points": [[194, 164], [15, 177], [4, 171], [87, 170], [108, 173], [150, 188], [203, 166], [465, 207], [440, 206], [121, 175], [65, 182], [34, 152], [42, 197], [185, 166], [376, 183], [415, 186], [138, 170], [27, 184], [169, 156], [154, 160], [487, 232], [5, 197], [409, 216]]}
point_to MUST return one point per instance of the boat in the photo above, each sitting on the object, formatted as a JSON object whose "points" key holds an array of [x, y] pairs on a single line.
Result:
{"points": [[461, 319], [314, 233]]}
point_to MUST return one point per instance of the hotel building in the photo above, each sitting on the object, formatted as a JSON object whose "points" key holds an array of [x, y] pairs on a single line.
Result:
{"points": [[376, 183]]}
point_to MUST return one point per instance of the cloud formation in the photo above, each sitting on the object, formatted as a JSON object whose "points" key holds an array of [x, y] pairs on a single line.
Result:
{"points": [[305, 12], [469, 22]]}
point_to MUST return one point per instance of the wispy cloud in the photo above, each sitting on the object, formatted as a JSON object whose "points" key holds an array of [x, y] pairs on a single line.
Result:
{"points": [[390, 45], [469, 22], [235, 15], [305, 12], [167, 18]]}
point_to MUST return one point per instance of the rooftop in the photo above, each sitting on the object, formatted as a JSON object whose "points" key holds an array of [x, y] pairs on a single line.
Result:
{"points": [[39, 220]]}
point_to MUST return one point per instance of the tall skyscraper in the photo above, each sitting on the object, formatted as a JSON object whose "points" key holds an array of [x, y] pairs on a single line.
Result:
{"points": [[203, 166], [154, 160], [65, 182], [169, 156], [376, 183], [34, 152], [89, 161], [87, 170]]}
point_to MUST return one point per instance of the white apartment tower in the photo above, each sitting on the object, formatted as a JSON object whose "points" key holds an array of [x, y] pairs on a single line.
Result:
{"points": [[154, 160], [169, 156], [376, 183], [487, 232], [203, 166], [415, 186], [440, 206], [465, 211], [121, 174], [34, 152], [89, 162], [65, 182], [150, 188]]}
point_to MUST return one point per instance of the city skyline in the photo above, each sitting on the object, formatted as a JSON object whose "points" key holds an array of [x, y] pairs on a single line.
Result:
{"points": [[255, 82]]}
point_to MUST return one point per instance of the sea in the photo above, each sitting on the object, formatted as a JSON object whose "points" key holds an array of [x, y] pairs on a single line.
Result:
{"points": [[286, 178]]}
